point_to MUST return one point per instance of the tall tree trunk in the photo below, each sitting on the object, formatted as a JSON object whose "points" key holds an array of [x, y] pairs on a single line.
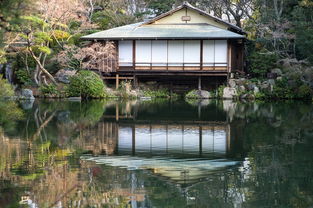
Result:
{"points": [[41, 67]]}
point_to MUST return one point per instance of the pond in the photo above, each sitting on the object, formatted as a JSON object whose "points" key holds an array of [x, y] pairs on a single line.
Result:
{"points": [[156, 153]]}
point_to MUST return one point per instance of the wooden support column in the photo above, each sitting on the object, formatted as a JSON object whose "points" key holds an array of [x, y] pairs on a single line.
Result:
{"points": [[134, 55], [199, 83], [201, 54], [117, 80]]}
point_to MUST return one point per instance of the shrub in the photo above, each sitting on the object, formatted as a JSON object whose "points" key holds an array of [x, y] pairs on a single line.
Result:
{"points": [[49, 90], [220, 91], [86, 84], [23, 77], [305, 92], [193, 94], [161, 93], [6, 89]]}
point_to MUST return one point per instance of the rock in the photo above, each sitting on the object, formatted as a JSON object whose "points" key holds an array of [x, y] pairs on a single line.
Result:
{"points": [[64, 75], [271, 82], [133, 93], [251, 86], [27, 94], [203, 94], [247, 97], [27, 104], [308, 76], [285, 63], [229, 93], [264, 85], [242, 88], [232, 83], [241, 81], [256, 90], [199, 94], [277, 71]]}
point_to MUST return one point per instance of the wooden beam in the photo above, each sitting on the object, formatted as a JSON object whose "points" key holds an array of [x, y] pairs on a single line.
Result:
{"points": [[119, 78]]}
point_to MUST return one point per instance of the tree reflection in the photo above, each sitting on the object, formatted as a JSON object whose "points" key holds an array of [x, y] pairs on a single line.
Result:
{"points": [[41, 149]]}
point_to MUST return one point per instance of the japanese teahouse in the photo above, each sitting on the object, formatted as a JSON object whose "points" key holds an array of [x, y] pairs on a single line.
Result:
{"points": [[184, 42]]}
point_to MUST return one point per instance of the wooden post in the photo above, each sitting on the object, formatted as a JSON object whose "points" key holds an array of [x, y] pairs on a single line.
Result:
{"points": [[117, 112], [117, 81], [199, 83], [133, 139], [135, 81], [134, 55], [201, 54]]}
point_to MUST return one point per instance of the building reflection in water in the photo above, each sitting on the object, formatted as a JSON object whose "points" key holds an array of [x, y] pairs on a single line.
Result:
{"points": [[182, 151]]}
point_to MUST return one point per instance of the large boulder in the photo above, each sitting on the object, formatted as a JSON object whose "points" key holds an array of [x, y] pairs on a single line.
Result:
{"points": [[229, 93], [27, 94], [63, 75], [232, 83], [199, 94]]}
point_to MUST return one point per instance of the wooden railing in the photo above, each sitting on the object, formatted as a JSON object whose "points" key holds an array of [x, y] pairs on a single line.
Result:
{"points": [[192, 66]]}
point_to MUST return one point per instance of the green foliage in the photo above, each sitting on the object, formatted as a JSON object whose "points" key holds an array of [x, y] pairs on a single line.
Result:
{"points": [[220, 90], [2, 57], [159, 7], [42, 37], [107, 19], [6, 89], [193, 94], [304, 92], [304, 43], [9, 114], [35, 21], [261, 63], [49, 90], [86, 84], [160, 93], [23, 77]]}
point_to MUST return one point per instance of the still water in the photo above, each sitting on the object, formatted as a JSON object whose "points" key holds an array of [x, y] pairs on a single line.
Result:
{"points": [[156, 153]]}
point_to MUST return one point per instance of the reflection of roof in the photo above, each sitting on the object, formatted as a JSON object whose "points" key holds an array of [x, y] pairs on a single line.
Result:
{"points": [[178, 170], [158, 31]]}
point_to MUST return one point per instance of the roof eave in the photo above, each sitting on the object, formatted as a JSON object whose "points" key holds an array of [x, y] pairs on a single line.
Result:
{"points": [[161, 38]]}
